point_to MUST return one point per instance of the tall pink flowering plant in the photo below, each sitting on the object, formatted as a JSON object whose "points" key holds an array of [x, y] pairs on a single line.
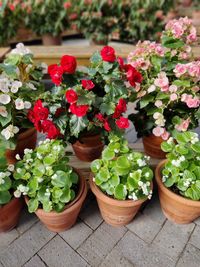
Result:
{"points": [[169, 96]]}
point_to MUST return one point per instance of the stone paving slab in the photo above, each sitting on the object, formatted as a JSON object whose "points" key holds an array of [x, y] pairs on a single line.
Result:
{"points": [[35, 262], [190, 258]]}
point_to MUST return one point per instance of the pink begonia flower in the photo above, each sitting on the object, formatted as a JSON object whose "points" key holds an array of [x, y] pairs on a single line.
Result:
{"points": [[180, 69], [193, 102], [165, 89], [183, 55], [173, 88], [151, 89], [173, 97], [177, 29], [162, 81], [188, 49], [158, 131], [183, 126], [195, 89], [184, 97], [137, 87], [158, 103], [194, 70], [165, 136]]}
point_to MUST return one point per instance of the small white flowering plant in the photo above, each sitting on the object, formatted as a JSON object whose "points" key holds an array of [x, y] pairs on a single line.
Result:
{"points": [[122, 173], [181, 173], [45, 177], [20, 86]]}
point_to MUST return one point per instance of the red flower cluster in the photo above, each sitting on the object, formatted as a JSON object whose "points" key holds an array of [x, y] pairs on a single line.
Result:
{"points": [[122, 123], [108, 54], [101, 118], [79, 110], [133, 76], [87, 84], [67, 65], [39, 117], [71, 96], [120, 108]]}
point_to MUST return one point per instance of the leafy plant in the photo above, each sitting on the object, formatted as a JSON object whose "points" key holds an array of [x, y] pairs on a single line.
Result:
{"points": [[181, 172], [19, 88], [44, 176], [47, 17], [6, 184], [10, 17], [169, 95], [122, 173]]}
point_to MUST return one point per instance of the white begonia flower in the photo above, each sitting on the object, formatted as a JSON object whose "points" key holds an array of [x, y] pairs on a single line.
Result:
{"points": [[15, 86], [39, 156], [150, 194], [141, 162], [31, 86], [23, 189], [27, 105], [151, 89], [17, 157], [3, 111], [17, 194], [134, 197], [4, 84], [21, 50], [27, 151], [2, 181], [147, 174], [40, 180], [170, 140], [44, 67], [54, 176], [11, 167], [176, 163], [9, 131], [5, 99], [19, 104], [140, 183], [182, 158]]}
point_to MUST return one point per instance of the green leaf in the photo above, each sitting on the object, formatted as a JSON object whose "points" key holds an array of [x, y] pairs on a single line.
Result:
{"points": [[12, 59], [162, 96], [120, 192], [114, 180], [78, 124], [7, 119], [96, 165], [49, 160], [74, 177], [96, 57], [123, 162], [57, 193], [171, 180], [62, 179], [47, 205], [107, 108], [107, 66], [132, 183], [33, 205], [6, 185], [196, 147], [167, 147], [170, 42], [181, 149], [108, 154], [188, 175], [103, 174], [193, 192], [146, 100], [5, 197], [182, 83], [66, 196]]}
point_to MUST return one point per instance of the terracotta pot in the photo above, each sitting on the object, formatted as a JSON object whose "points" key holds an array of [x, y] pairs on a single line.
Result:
{"points": [[59, 222], [175, 207], [94, 41], [152, 147], [26, 139], [88, 148], [9, 214], [48, 40], [115, 212]]}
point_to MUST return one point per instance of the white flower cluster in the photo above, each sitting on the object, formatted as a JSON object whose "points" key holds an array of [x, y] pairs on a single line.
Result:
{"points": [[21, 190], [159, 119], [21, 50], [144, 187], [187, 182], [170, 140], [177, 162], [3, 175], [133, 196], [141, 162], [194, 138], [9, 131]]}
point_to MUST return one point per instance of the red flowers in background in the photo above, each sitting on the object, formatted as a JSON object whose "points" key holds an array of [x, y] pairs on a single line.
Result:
{"points": [[68, 65], [108, 54], [120, 108], [87, 84], [122, 123], [133, 76], [39, 117], [80, 110], [71, 96]]}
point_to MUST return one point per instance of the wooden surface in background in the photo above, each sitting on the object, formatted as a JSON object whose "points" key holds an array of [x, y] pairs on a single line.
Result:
{"points": [[3, 52], [52, 54]]}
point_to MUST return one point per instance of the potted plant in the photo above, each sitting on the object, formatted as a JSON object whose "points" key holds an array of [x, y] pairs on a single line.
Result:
{"points": [[169, 95], [10, 207], [83, 105], [178, 178], [48, 19], [121, 182], [10, 17], [19, 87], [52, 189], [97, 19]]}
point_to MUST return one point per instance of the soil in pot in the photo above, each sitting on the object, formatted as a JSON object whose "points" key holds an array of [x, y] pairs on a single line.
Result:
{"points": [[176, 208], [48, 40], [88, 148], [26, 139], [59, 222], [152, 146], [9, 214], [115, 212]]}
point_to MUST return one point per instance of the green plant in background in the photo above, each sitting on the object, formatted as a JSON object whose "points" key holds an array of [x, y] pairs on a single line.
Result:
{"points": [[10, 16], [181, 173], [143, 20], [44, 176], [47, 17], [5, 183], [19, 87], [122, 173], [97, 19]]}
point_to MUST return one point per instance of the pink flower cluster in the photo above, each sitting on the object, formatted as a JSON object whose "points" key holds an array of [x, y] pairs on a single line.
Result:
{"points": [[182, 28], [191, 102], [161, 132], [140, 57], [162, 81], [191, 69]]}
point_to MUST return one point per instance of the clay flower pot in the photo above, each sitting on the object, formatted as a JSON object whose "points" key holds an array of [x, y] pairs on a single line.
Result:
{"points": [[175, 207], [59, 222], [48, 40], [88, 148], [152, 146], [115, 212], [26, 139], [9, 214]]}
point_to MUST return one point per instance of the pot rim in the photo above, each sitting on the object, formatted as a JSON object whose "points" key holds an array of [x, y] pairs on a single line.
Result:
{"points": [[10, 203], [168, 192], [72, 205], [26, 133], [119, 203]]}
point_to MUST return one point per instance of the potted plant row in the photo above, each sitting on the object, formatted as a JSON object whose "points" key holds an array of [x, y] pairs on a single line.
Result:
{"points": [[169, 95], [20, 85]]}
